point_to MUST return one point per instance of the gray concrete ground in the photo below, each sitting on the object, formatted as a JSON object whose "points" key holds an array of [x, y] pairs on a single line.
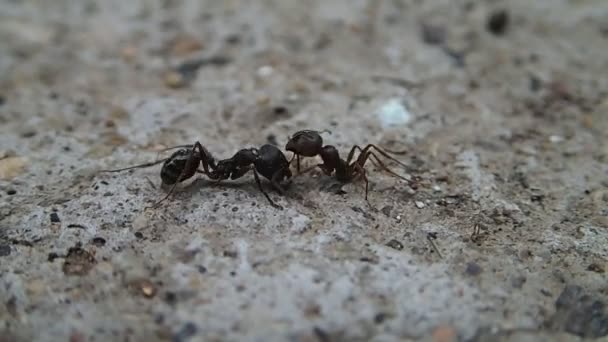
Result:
{"points": [[501, 106]]}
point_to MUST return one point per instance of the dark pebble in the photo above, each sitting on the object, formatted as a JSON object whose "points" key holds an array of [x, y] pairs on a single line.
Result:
{"points": [[518, 282], [498, 22], [473, 269], [5, 250], [230, 254], [55, 218], [52, 257], [139, 235], [595, 268], [98, 241], [580, 313], [202, 269], [11, 191], [187, 331], [387, 210], [280, 110], [395, 244], [380, 317], [432, 34]]}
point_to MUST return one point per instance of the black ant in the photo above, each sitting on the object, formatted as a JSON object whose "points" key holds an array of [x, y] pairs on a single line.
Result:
{"points": [[184, 164], [309, 143]]}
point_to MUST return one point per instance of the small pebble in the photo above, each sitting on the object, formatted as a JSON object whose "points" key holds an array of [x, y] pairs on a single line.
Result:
{"points": [[265, 71], [444, 333], [556, 139], [387, 210], [188, 330], [473, 269], [5, 250], [395, 244], [98, 241], [394, 113], [595, 268], [498, 22], [147, 289], [55, 218], [174, 79], [433, 34], [419, 204], [10, 167]]}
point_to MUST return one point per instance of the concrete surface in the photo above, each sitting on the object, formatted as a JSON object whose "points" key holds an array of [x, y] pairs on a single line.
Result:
{"points": [[505, 125]]}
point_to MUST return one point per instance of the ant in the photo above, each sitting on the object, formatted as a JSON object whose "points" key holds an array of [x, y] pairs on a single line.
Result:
{"points": [[183, 164], [309, 143]]}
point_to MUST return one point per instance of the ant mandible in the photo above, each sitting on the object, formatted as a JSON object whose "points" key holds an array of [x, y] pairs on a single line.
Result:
{"points": [[309, 143], [184, 164]]}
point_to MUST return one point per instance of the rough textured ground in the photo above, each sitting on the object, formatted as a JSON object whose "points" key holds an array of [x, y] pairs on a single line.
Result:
{"points": [[503, 237]]}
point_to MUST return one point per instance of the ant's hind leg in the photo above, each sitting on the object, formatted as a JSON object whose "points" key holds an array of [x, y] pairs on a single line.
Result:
{"points": [[386, 155], [259, 183]]}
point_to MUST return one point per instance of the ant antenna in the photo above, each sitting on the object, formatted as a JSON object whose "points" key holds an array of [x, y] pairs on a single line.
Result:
{"points": [[137, 166]]}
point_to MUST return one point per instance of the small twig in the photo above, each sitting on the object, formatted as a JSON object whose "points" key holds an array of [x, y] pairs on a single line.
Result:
{"points": [[430, 237]]}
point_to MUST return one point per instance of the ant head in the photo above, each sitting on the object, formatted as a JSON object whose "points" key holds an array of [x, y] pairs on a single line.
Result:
{"points": [[305, 143]]}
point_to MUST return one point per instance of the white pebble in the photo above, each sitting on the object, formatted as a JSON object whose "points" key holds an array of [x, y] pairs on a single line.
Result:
{"points": [[393, 113]]}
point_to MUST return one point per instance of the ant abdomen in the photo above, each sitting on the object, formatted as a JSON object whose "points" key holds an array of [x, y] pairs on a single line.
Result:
{"points": [[175, 166]]}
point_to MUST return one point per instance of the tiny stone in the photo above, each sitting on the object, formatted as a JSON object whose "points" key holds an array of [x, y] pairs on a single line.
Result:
{"points": [[98, 241], [265, 71], [55, 218], [595, 268], [387, 210], [148, 289], [433, 34], [473, 269], [380, 317], [498, 22], [419, 204], [187, 331], [396, 244], [5, 250]]}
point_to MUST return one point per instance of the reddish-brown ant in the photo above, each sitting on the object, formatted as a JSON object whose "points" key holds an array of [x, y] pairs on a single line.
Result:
{"points": [[309, 143], [183, 164]]}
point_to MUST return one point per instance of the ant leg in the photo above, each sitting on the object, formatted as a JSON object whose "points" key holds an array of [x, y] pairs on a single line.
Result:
{"points": [[368, 155], [384, 154], [137, 166], [361, 172], [384, 167], [275, 183], [205, 156], [257, 180], [298, 163]]}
